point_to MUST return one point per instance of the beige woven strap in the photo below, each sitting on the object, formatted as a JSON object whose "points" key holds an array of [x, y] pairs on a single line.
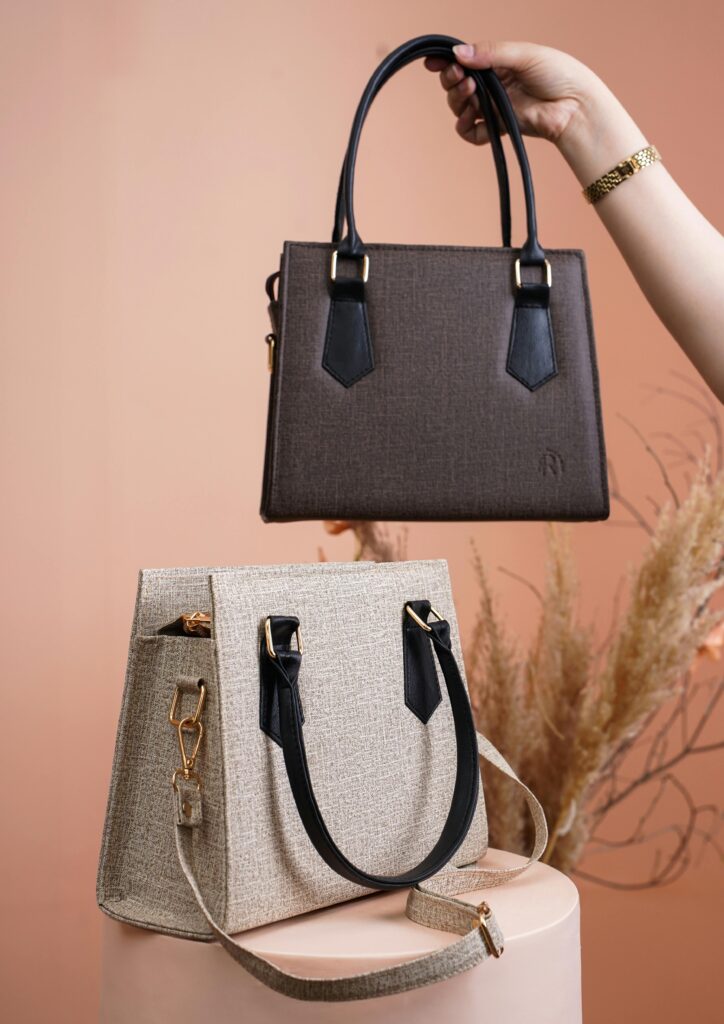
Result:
{"points": [[456, 958], [430, 905]]}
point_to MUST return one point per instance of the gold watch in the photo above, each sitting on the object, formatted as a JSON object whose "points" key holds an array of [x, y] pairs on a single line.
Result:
{"points": [[626, 169]]}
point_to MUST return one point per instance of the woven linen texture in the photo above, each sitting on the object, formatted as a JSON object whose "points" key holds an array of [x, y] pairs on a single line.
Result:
{"points": [[439, 429], [383, 780]]}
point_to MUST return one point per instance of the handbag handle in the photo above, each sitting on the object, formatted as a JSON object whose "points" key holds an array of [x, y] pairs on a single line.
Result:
{"points": [[280, 666], [406, 55], [351, 246]]}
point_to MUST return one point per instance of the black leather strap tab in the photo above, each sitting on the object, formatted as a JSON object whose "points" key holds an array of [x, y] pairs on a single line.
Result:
{"points": [[422, 689], [531, 352], [285, 627], [347, 346], [282, 671]]}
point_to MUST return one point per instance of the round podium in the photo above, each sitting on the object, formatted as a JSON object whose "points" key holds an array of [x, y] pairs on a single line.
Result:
{"points": [[148, 978]]}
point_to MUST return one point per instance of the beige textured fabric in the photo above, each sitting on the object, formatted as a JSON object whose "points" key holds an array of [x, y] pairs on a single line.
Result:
{"points": [[382, 778]]}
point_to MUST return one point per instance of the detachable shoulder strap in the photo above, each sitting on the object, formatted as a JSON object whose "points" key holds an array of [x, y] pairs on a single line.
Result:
{"points": [[430, 904]]}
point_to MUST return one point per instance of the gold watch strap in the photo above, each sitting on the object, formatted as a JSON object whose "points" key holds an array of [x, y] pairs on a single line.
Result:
{"points": [[626, 169]]}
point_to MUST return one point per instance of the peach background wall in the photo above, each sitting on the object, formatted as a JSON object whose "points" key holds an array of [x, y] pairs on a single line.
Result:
{"points": [[155, 156]]}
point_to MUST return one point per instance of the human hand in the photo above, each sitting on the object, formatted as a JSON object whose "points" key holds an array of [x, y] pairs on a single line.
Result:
{"points": [[548, 89], [554, 96]]}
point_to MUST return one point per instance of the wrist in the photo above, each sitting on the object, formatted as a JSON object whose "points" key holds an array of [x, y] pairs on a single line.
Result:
{"points": [[599, 134]]}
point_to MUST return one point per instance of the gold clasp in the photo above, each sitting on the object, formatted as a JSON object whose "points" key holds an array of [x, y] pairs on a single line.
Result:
{"points": [[197, 713], [365, 267], [519, 279], [627, 167], [196, 624], [483, 915], [188, 724], [271, 341], [416, 618], [270, 643]]}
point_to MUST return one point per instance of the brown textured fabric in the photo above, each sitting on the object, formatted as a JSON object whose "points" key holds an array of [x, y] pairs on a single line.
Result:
{"points": [[439, 429]]}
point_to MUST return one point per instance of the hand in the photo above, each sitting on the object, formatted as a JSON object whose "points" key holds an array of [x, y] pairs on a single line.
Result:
{"points": [[548, 89]]}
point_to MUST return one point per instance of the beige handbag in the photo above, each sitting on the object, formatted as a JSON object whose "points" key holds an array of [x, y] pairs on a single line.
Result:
{"points": [[303, 739]]}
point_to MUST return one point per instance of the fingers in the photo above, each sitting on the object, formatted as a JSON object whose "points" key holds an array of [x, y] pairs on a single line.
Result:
{"points": [[513, 56], [462, 100]]}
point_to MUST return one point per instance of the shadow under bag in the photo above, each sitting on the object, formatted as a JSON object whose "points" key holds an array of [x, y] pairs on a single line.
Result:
{"points": [[433, 381], [292, 737]]}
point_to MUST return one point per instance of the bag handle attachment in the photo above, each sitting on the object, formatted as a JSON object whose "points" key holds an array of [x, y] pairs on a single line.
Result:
{"points": [[348, 354], [281, 712]]}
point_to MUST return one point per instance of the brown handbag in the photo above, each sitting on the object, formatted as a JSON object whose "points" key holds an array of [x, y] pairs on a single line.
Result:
{"points": [[433, 382]]}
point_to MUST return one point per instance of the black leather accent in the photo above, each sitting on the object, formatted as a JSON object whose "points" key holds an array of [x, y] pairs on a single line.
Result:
{"points": [[347, 346], [487, 82], [531, 352], [422, 689], [284, 629], [283, 672]]}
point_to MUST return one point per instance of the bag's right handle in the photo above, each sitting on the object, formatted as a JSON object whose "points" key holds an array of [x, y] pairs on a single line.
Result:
{"points": [[280, 665], [406, 55]]}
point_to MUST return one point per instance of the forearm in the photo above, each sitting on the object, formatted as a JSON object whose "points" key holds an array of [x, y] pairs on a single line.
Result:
{"points": [[675, 254]]}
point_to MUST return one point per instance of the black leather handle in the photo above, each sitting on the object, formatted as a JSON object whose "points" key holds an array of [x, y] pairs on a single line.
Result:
{"points": [[280, 669], [407, 55], [486, 82]]}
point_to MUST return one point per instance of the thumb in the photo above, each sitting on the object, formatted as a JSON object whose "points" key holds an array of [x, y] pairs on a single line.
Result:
{"points": [[513, 56]]}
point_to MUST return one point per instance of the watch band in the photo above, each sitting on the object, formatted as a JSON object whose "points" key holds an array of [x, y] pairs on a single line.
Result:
{"points": [[626, 169]]}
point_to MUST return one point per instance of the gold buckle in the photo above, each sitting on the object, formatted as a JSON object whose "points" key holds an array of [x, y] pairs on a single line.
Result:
{"points": [[627, 168], [197, 713], [365, 267], [271, 341], [519, 279], [484, 913], [416, 618], [270, 644], [188, 777], [189, 760]]}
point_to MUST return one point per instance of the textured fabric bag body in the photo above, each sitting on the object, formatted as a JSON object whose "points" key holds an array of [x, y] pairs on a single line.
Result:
{"points": [[433, 382], [317, 745]]}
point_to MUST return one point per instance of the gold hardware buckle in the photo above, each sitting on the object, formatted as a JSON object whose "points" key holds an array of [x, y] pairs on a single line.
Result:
{"points": [[271, 341], [365, 267], [416, 618], [176, 722], [270, 643], [484, 913], [519, 279], [188, 724], [188, 776], [629, 167]]}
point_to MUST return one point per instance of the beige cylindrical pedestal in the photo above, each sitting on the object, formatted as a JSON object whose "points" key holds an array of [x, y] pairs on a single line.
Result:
{"points": [[156, 979]]}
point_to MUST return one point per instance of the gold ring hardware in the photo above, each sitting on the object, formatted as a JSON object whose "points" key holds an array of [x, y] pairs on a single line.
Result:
{"points": [[271, 341], [365, 267], [416, 618], [199, 706], [519, 279], [188, 776], [188, 761], [484, 913], [270, 642]]}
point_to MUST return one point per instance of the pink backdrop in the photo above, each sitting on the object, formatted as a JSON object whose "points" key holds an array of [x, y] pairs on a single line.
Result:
{"points": [[155, 156]]}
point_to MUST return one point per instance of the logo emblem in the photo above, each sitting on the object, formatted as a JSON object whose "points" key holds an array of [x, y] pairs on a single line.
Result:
{"points": [[551, 463]]}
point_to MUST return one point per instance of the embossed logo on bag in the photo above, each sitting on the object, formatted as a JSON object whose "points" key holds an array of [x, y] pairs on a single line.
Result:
{"points": [[551, 463]]}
